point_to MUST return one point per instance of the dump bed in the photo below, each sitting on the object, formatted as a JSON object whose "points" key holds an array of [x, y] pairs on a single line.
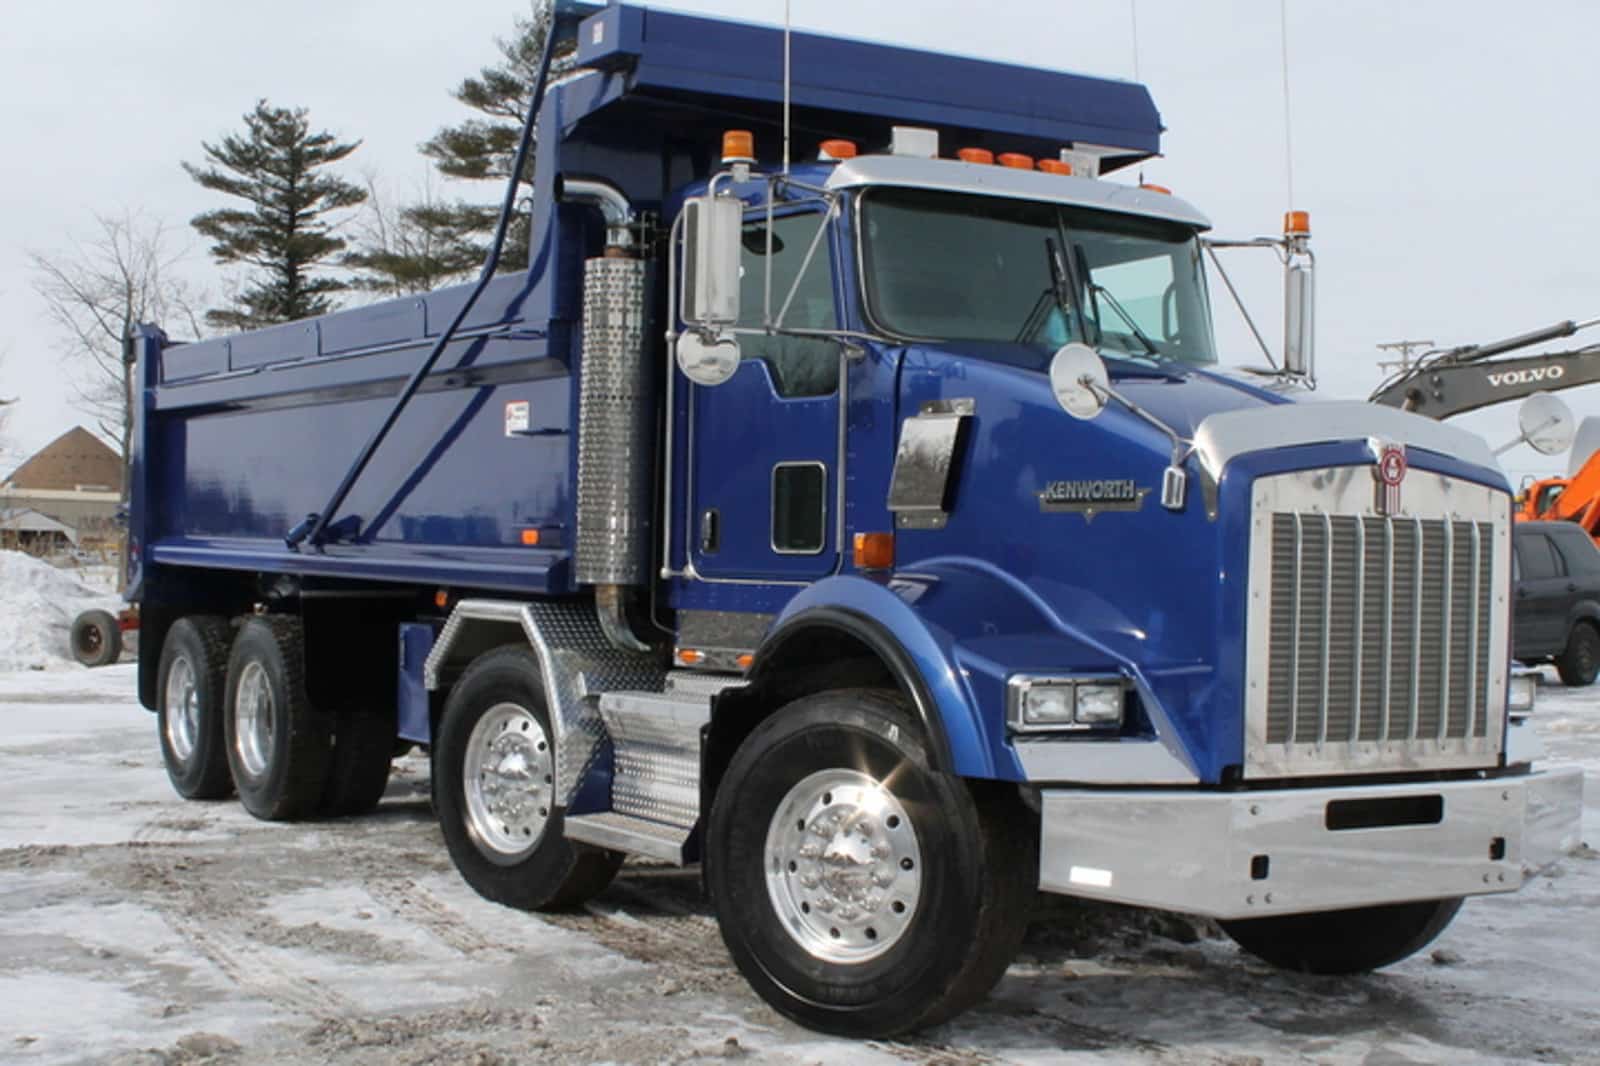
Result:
{"points": [[238, 439]]}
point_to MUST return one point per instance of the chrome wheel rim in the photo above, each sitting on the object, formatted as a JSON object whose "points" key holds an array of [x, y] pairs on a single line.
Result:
{"points": [[253, 707], [844, 870], [183, 709], [508, 778]]}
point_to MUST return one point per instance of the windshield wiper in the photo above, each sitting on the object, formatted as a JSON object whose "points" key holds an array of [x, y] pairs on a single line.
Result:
{"points": [[1058, 296], [1149, 345]]}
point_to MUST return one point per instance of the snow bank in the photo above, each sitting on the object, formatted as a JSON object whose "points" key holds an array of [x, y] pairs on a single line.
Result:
{"points": [[37, 606]]}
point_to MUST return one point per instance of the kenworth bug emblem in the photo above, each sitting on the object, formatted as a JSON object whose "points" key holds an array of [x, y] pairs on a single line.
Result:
{"points": [[1389, 472]]}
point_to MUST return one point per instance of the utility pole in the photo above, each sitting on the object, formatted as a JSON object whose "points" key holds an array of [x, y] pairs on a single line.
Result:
{"points": [[1405, 348]]}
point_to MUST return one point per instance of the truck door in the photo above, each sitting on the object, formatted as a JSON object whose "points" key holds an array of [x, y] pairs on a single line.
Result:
{"points": [[764, 447]]}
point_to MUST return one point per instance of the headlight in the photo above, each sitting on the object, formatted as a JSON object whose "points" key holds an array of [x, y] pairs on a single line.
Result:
{"points": [[1037, 704], [1521, 693]]}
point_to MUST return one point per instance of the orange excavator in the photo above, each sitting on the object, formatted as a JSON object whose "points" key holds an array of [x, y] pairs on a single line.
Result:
{"points": [[1575, 498]]}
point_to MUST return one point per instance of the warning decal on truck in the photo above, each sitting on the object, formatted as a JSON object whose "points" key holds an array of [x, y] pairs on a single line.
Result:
{"points": [[518, 418]]}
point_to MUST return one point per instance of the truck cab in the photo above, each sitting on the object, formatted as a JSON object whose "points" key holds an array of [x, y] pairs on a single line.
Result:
{"points": [[855, 504]]}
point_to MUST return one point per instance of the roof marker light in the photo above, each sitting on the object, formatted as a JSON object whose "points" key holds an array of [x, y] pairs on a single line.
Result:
{"points": [[914, 141], [1055, 166], [1016, 160], [1149, 187], [976, 155], [738, 146], [838, 149]]}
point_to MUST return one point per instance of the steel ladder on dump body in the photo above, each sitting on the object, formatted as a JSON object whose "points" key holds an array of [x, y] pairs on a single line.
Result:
{"points": [[655, 779]]}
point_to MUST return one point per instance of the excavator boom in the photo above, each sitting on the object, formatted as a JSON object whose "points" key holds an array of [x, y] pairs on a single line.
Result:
{"points": [[1447, 387]]}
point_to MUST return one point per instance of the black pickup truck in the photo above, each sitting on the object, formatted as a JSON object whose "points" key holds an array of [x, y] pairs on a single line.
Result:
{"points": [[1558, 599]]}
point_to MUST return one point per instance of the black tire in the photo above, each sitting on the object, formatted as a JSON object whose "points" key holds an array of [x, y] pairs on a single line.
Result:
{"points": [[1344, 942], [363, 749], [281, 769], [193, 746], [544, 871], [96, 638], [979, 867], [1580, 662]]}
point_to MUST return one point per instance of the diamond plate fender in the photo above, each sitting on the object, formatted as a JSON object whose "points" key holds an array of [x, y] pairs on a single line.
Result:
{"points": [[575, 662]]}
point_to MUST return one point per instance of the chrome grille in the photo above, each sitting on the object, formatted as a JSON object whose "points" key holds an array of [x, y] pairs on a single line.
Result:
{"points": [[1377, 642]]}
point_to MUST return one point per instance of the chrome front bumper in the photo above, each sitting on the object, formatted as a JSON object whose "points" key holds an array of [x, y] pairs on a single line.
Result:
{"points": [[1249, 854]]}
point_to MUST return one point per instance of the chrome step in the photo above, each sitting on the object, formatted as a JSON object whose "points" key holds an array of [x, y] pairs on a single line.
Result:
{"points": [[655, 773], [686, 683], [633, 836]]}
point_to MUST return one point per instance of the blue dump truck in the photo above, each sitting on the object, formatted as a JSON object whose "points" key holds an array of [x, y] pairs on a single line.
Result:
{"points": [[849, 499]]}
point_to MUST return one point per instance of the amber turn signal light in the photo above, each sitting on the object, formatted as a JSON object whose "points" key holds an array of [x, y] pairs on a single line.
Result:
{"points": [[874, 551]]}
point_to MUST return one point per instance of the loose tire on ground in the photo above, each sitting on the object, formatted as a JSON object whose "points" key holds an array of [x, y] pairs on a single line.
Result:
{"points": [[363, 749], [279, 746], [190, 686], [494, 791], [1347, 941], [859, 892], [1580, 662], [96, 638]]}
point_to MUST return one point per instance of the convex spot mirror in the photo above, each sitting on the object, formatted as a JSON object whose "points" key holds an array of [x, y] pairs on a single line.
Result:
{"points": [[1546, 423], [1078, 378], [708, 361]]}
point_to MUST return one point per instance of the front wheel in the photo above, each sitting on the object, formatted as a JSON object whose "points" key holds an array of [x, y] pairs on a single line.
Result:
{"points": [[1344, 942], [495, 793], [1580, 661], [860, 892]]}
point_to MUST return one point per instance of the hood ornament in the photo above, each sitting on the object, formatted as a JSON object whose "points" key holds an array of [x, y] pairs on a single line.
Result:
{"points": [[1388, 474]]}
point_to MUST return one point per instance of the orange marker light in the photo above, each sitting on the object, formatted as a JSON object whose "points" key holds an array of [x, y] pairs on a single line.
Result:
{"points": [[441, 599], [1055, 166], [1016, 160], [874, 551], [839, 149], [1297, 224], [691, 657], [746, 661], [1162, 189], [738, 146], [975, 155], [530, 538]]}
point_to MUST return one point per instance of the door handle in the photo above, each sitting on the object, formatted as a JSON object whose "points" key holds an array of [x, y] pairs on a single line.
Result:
{"points": [[1571, 587], [710, 534]]}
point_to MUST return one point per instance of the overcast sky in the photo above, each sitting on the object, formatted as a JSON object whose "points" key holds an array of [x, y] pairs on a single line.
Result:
{"points": [[1444, 148]]}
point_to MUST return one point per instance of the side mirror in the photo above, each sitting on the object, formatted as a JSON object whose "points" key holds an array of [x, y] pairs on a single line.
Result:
{"points": [[1299, 318], [711, 261]]}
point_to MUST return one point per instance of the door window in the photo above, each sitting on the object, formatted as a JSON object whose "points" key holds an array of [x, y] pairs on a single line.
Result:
{"points": [[800, 366], [1578, 553], [1537, 558], [799, 508]]}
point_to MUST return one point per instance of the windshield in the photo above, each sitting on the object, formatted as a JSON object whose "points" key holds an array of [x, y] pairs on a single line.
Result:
{"points": [[958, 267]]}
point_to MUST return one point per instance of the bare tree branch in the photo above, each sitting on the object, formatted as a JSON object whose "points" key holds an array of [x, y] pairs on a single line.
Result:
{"points": [[96, 291]]}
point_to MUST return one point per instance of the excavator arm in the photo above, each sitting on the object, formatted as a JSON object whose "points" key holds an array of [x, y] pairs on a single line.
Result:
{"points": [[1445, 388], [1459, 380]]}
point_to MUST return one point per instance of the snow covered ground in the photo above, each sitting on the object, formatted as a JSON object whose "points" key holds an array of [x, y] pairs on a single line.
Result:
{"points": [[136, 928]]}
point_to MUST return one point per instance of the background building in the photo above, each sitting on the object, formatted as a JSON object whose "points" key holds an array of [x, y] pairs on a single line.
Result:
{"points": [[76, 480]]}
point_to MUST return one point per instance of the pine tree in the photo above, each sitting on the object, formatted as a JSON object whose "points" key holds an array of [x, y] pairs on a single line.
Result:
{"points": [[276, 166], [483, 148]]}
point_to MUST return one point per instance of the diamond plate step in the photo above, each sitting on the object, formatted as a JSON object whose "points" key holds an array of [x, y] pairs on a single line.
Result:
{"points": [[631, 835]]}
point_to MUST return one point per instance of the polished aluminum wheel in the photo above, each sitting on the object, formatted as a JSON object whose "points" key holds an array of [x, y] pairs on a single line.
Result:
{"points": [[252, 718], [844, 870], [508, 779], [183, 709]]}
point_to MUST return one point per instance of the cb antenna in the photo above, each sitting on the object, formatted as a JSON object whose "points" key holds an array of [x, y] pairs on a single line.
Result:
{"points": [[787, 70]]}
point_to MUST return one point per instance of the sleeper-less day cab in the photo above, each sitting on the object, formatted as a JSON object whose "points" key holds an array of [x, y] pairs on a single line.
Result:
{"points": [[877, 530]]}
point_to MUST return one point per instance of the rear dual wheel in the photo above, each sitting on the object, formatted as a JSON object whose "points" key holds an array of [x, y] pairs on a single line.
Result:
{"points": [[190, 685]]}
